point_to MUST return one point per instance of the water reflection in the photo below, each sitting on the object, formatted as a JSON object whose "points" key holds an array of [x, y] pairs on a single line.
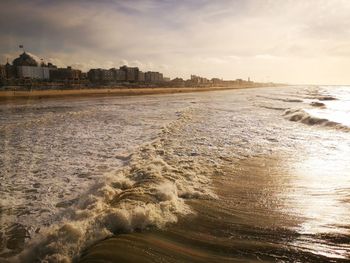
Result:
{"points": [[320, 195]]}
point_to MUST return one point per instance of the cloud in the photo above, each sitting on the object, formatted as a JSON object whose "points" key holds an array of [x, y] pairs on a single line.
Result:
{"points": [[266, 56], [228, 38]]}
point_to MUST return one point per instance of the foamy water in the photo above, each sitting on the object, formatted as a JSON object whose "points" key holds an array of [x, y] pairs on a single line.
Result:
{"points": [[78, 171], [336, 109]]}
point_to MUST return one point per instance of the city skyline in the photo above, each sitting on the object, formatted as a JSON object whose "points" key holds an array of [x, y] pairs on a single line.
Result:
{"points": [[289, 41], [27, 69]]}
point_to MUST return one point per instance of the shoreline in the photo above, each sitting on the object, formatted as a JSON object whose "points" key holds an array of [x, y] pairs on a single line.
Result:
{"points": [[39, 94]]}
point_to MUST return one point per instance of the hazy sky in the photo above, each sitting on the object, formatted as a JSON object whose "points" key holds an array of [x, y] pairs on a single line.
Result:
{"points": [[296, 41]]}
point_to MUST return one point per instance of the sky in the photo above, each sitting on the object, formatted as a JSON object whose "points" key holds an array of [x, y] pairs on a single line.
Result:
{"points": [[289, 41]]}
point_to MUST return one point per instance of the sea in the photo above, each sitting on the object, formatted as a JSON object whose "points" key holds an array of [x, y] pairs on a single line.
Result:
{"points": [[245, 175]]}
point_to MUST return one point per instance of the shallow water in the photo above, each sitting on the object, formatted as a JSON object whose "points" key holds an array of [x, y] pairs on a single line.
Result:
{"points": [[252, 175]]}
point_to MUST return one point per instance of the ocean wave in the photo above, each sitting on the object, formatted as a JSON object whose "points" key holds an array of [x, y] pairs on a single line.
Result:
{"points": [[326, 98], [293, 100], [319, 95], [272, 107], [318, 104], [149, 191], [299, 115]]}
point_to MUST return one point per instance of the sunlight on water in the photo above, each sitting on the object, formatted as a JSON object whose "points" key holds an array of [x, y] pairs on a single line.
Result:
{"points": [[321, 198], [321, 189]]}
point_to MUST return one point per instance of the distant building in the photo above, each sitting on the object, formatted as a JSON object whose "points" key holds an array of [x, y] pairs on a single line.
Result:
{"points": [[198, 80], [165, 79], [27, 67], [239, 81], [153, 77], [178, 82], [11, 71], [123, 74], [141, 77], [2, 72], [131, 73], [84, 75], [94, 75], [33, 72], [107, 75], [65, 74], [25, 60], [216, 81], [120, 75]]}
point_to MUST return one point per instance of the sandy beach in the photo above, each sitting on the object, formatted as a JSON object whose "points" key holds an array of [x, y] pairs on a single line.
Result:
{"points": [[39, 94]]}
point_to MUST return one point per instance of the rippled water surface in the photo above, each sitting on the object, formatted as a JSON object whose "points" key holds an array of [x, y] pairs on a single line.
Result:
{"points": [[227, 176]]}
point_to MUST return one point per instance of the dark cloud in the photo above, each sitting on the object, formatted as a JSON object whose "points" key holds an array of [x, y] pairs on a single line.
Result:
{"points": [[41, 28]]}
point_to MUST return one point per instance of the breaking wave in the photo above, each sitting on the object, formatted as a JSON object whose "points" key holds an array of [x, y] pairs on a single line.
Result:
{"points": [[318, 95], [299, 115], [149, 191], [318, 104], [280, 99], [325, 98]]}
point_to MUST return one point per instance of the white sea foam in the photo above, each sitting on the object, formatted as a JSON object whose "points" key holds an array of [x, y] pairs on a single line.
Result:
{"points": [[52, 151], [150, 191]]}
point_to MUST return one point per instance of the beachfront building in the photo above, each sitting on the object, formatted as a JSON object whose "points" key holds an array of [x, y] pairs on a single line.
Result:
{"points": [[114, 75], [123, 74], [153, 77], [199, 80], [27, 67], [216, 81], [118, 75], [141, 77], [94, 75], [65, 74], [25, 60], [10, 71], [33, 72], [178, 82], [106, 75], [239, 81], [101, 75], [131, 73], [2, 72]]}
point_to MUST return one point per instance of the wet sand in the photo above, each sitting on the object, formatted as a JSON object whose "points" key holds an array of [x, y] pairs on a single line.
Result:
{"points": [[251, 221]]}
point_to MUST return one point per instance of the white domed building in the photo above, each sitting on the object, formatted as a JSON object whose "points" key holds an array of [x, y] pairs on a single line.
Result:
{"points": [[27, 67]]}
